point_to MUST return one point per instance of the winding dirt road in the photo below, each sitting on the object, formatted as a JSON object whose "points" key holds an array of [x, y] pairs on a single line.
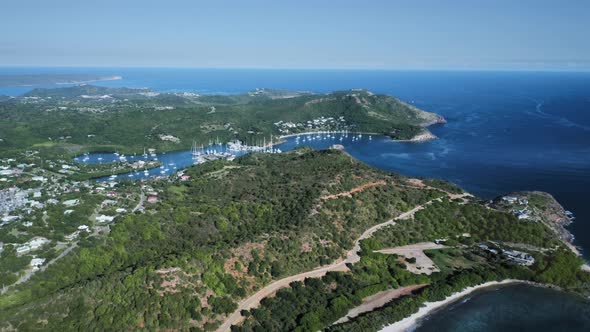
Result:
{"points": [[351, 257]]}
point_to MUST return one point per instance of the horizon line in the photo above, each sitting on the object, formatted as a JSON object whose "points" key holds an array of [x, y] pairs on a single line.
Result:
{"points": [[462, 69]]}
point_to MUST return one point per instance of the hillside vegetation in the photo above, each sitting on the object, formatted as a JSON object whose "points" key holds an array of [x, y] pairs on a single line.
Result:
{"points": [[91, 118], [235, 226]]}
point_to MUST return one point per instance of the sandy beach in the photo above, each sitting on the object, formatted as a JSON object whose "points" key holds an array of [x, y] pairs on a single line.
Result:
{"points": [[428, 307]]}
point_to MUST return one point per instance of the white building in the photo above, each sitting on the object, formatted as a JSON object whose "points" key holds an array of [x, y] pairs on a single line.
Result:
{"points": [[71, 202], [36, 263], [103, 218]]}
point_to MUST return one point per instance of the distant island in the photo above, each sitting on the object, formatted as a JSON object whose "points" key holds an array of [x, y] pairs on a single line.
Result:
{"points": [[51, 79]]}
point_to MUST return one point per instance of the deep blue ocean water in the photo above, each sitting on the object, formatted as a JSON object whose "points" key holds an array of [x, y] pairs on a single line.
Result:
{"points": [[506, 131]]}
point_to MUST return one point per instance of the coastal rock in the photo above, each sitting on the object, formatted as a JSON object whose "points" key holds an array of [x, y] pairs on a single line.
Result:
{"points": [[426, 136], [437, 120], [539, 206]]}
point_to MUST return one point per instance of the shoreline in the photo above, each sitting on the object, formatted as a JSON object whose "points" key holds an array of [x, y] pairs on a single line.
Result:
{"points": [[429, 307], [329, 132], [422, 137]]}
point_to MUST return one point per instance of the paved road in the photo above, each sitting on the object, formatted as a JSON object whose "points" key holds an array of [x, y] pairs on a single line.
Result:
{"points": [[139, 205]]}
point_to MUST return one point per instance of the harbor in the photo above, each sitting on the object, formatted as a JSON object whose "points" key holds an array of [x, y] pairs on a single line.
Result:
{"points": [[172, 162]]}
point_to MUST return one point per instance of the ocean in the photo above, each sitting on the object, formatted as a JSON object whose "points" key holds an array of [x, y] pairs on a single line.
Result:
{"points": [[506, 131]]}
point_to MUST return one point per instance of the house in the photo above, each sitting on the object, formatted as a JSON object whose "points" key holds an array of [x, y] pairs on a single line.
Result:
{"points": [[68, 212], [523, 216], [37, 242], [152, 199], [23, 250], [510, 199], [36, 263], [103, 218], [440, 241], [71, 202], [185, 177], [84, 228], [519, 257]]}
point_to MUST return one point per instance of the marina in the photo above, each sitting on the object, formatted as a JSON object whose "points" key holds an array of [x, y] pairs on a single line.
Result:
{"points": [[171, 162]]}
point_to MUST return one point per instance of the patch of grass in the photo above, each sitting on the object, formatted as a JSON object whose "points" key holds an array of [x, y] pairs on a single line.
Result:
{"points": [[450, 259]]}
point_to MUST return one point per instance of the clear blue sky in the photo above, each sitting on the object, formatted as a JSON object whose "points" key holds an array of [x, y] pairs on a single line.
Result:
{"points": [[414, 34]]}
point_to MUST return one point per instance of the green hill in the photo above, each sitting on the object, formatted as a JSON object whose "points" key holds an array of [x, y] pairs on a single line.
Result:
{"points": [[233, 227], [91, 118]]}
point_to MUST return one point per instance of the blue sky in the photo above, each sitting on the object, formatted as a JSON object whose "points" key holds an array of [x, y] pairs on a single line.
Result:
{"points": [[391, 34]]}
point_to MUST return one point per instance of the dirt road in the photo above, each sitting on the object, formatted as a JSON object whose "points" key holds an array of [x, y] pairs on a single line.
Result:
{"points": [[378, 300], [352, 257]]}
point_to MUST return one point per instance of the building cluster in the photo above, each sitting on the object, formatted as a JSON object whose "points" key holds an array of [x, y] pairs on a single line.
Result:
{"points": [[514, 256], [30, 194], [169, 138], [523, 213], [321, 123], [519, 257], [32, 245]]}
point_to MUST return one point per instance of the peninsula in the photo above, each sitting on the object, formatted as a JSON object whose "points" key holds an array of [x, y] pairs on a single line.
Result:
{"points": [[84, 118]]}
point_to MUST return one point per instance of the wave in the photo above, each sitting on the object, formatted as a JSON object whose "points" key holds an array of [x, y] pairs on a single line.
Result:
{"points": [[560, 120]]}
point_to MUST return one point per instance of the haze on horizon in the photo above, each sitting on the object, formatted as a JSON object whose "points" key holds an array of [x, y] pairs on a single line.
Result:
{"points": [[374, 34]]}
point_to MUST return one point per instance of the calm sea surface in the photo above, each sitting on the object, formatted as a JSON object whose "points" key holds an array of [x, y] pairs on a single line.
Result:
{"points": [[506, 131]]}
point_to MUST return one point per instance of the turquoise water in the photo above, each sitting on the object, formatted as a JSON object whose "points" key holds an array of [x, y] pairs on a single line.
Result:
{"points": [[507, 131]]}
